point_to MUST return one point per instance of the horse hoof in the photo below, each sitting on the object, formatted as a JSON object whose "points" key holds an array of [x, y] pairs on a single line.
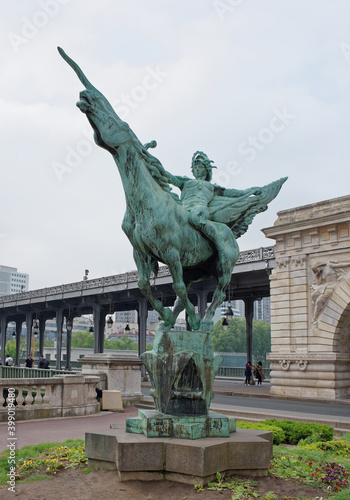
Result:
{"points": [[163, 327], [207, 325], [194, 322]]}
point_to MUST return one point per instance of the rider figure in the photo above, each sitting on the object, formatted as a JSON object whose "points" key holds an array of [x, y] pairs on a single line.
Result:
{"points": [[197, 193]]}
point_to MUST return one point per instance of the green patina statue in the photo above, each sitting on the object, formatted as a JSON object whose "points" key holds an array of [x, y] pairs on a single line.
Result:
{"points": [[194, 235]]}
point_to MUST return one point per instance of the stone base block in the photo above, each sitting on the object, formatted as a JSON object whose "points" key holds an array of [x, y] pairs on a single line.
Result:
{"points": [[152, 423], [112, 400], [134, 456]]}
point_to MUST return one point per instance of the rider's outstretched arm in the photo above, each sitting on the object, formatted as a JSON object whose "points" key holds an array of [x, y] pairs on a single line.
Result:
{"points": [[235, 193]]}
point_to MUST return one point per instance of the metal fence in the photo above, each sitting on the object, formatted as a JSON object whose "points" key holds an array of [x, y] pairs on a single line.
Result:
{"points": [[22, 372], [237, 372]]}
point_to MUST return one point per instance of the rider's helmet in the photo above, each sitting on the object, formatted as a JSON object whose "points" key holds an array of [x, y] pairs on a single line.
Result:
{"points": [[202, 159]]}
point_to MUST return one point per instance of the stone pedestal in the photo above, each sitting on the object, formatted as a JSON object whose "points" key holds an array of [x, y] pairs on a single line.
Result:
{"points": [[152, 423], [123, 373], [136, 457], [182, 368]]}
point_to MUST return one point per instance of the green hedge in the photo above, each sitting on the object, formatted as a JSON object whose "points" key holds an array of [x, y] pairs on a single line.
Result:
{"points": [[295, 431], [278, 433]]}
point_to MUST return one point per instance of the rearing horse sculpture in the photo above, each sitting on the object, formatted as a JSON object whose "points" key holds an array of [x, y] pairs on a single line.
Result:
{"points": [[159, 225]]}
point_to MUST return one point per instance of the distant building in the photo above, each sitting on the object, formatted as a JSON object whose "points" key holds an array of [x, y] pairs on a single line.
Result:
{"points": [[131, 317], [236, 306], [262, 309], [12, 281]]}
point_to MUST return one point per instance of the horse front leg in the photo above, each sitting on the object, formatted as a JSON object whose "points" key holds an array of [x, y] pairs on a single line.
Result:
{"points": [[144, 267], [227, 258], [180, 288]]}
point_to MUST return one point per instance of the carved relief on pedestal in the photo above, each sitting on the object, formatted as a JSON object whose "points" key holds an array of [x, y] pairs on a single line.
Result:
{"points": [[326, 278]]}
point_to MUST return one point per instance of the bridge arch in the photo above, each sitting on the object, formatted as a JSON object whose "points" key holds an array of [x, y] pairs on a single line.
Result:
{"points": [[336, 316]]}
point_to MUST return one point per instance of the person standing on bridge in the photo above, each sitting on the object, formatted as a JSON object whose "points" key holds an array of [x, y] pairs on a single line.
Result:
{"points": [[258, 372], [29, 362], [248, 373]]}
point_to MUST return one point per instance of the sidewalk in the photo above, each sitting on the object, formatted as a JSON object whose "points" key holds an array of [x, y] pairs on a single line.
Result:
{"points": [[59, 429], [235, 387]]}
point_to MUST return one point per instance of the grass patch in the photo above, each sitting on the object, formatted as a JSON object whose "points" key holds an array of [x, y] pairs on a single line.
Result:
{"points": [[43, 459], [36, 477], [87, 470], [346, 436]]}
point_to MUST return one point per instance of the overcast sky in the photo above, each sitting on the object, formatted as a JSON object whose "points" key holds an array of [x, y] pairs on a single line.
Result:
{"points": [[263, 87]]}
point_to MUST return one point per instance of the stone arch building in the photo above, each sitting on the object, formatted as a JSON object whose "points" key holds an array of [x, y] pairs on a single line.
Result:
{"points": [[310, 301]]}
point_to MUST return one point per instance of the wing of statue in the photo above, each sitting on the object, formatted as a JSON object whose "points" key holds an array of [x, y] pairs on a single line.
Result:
{"points": [[238, 213]]}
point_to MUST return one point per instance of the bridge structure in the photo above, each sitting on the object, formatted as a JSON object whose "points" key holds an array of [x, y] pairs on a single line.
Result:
{"points": [[310, 301], [103, 296]]}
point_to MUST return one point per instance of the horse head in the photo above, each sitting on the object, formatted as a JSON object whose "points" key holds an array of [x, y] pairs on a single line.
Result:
{"points": [[109, 130]]}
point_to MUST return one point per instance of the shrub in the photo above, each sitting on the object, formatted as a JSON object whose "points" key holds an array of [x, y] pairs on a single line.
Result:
{"points": [[278, 433], [295, 431], [337, 447]]}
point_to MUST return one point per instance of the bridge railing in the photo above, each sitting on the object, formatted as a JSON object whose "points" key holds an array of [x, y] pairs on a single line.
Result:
{"points": [[58, 396], [258, 254], [23, 372], [238, 372]]}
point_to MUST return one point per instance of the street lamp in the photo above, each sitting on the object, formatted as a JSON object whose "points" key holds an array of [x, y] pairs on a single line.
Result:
{"points": [[109, 322], [69, 325], [229, 312], [224, 324], [127, 328]]}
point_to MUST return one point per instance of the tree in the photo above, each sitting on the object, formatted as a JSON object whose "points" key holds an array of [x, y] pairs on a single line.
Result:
{"points": [[83, 340], [231, 340], [10, 348], [261, 340], [234, 338], [123, 344]]}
